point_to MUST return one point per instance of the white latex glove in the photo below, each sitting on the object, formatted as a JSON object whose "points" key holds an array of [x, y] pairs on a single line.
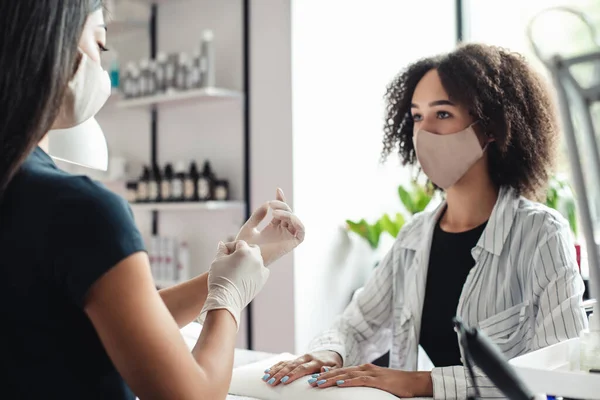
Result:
{"points": [[234, 279], [282, 235]]}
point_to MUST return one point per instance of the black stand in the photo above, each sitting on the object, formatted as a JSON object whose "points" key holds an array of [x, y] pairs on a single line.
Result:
{"points": [[479, 349]]}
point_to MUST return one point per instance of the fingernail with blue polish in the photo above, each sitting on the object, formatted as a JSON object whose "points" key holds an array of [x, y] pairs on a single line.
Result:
{"points": [[340, 382], [285, 379], [313, 380], [266, 377], [271, 381], [267, 370], [322, 381], [326, 369], [315, 375]]}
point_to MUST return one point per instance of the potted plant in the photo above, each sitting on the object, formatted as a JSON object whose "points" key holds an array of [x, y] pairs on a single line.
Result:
{"points": [[415, 199]]}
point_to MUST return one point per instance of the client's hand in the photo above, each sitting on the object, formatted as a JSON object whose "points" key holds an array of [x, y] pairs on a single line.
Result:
{"points": [[235, 277], [399, 383], [288, 371], [282, 235]]}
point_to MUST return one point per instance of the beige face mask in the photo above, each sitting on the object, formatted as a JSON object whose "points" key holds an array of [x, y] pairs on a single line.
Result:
{"points": [[447, 158]]}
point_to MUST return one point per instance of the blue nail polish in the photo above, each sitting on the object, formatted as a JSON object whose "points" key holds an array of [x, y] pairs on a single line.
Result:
{"points": [[340, 382], [322, 381], [271, 381], [267, 370], [313, 380], [285, 379], [266, 377], [315, 375], [326, 369]]}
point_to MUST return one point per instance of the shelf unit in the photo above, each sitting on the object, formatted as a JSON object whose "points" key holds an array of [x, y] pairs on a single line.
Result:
{"points": [[153, 106], [190, 206], [200, 95]]}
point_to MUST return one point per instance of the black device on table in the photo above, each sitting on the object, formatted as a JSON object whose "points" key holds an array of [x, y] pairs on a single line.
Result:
{"points": [[478, 349]]}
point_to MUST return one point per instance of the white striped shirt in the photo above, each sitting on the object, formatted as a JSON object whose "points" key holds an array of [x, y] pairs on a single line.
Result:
{"points": [[524, 292]]}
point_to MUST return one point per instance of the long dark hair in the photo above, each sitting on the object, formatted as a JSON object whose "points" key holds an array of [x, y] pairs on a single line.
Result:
{"points": [[502, 91], [38, 54]]}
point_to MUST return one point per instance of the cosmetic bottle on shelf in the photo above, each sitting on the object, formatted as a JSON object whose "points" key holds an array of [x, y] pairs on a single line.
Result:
{"points": [[221, 190], [142, 187], [191, 181], [177, 192], [161, 72], [166, 183], [205, 183], [208, 59]]}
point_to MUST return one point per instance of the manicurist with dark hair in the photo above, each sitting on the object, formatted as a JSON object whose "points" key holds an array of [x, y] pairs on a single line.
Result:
{"points": [[81, 318]]}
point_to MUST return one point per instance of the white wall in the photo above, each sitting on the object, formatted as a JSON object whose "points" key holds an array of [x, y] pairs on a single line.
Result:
{"points": [[271, 159], [344, 54]]}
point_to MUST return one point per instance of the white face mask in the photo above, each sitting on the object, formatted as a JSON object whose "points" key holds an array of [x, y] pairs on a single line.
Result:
{"points": [[76, 136], [83, 145]]}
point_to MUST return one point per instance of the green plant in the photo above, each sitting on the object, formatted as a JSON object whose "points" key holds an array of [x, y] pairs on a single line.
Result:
{"points": [[414, 201], [560, 197]]}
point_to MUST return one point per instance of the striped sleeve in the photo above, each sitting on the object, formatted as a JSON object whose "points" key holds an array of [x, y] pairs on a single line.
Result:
{"points": [[558, 290], [363, 332]]}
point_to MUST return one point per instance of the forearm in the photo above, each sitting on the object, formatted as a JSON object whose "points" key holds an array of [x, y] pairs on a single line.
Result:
{"points": [[214, 351], [185, 301]]}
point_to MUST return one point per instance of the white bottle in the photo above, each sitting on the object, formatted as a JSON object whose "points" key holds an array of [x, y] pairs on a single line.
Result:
{"points": [[589, 357], [170, 257], [183, 262], [207, 64], [153, 255]]}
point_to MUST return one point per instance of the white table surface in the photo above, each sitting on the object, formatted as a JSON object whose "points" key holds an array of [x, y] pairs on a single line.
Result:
{"points": [[242, 357]]}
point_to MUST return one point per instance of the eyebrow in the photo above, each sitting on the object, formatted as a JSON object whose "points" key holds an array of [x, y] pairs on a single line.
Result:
{"points": [[436, 103]]}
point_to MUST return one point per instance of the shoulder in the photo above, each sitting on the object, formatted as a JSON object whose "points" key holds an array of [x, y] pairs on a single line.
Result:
{"points": [[536, 219], [80, 200]]}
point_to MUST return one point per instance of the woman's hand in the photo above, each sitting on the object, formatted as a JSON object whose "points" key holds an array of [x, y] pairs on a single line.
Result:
{"points": [[282, 235], [287, 372], [398, 383]]}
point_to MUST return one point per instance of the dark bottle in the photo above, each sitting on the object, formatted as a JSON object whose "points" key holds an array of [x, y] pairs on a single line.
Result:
{"points": [[142, 188], [191, 181], [177, 186], [166, 184], [221, 190], [205, 183], [154, 185], [132, 194]]}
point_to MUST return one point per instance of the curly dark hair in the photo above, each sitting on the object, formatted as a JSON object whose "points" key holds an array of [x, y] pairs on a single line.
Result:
{"points": [[500, 89]]}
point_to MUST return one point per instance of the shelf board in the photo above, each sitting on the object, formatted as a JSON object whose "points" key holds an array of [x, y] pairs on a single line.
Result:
{"points": [[203, 94], [190, 206]]}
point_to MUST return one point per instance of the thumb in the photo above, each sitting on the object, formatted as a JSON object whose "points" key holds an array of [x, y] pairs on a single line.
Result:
{"points": [[240, 244], [222, 249]]}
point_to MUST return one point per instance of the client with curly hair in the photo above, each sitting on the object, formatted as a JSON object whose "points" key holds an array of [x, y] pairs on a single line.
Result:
{"points": [[482, 126]]}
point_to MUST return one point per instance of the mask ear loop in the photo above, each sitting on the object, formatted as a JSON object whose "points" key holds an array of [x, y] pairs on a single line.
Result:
{"points": [[490, 139]]}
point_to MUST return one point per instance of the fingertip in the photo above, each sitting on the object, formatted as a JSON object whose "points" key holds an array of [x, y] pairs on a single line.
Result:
{"points": [[280, 194]]}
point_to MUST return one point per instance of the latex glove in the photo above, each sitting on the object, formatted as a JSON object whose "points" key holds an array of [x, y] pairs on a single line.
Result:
{"points": [[234, 279], [282, 235]]}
